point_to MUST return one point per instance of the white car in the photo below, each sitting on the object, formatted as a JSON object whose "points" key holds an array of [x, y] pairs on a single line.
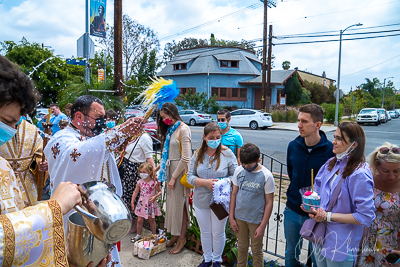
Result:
{"points": [[368, 115], [394, 114], [193, 117], [382, 115], [250, 118]]}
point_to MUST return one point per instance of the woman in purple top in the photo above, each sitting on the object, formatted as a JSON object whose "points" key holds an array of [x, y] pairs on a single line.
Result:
{"points": [[355, 208]]}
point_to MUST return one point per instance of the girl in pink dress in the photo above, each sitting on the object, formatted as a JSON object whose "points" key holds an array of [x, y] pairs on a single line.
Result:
{"points": [[147, 207]]}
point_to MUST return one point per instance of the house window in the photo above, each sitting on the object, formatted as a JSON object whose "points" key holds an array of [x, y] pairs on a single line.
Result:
{"points": [[182, 66], [230, 94], [229, 64], [186, 90], [324, 82]]}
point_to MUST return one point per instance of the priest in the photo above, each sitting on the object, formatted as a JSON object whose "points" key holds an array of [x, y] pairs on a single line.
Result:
{"points": [[83, 152]]}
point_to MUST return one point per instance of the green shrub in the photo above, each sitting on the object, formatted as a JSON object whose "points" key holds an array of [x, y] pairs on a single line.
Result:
{"points": [[291, 116], [330, 112]]}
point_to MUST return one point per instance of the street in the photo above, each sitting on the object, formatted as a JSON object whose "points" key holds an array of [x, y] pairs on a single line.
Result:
{"points": [[275, 142]]}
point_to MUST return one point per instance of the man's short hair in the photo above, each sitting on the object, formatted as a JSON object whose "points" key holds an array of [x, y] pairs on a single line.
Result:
{"points": [[111, 114], [54, 105], [225, 112], [83, 104], [16, 87], [249, 153], [68, 106], [315, 111]]}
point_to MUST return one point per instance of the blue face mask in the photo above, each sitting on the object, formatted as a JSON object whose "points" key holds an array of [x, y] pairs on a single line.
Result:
{"points": [[213, 143], [110, 124], [20, 120], [6, 133], [222, 125]]}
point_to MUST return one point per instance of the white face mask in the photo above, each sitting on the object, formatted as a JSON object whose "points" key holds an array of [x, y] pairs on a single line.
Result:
{"points": [[347, 152], [143, 175]]}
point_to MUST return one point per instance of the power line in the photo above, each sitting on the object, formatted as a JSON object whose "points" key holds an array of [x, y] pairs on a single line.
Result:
{"points": [[336, 40], [371, 67]]}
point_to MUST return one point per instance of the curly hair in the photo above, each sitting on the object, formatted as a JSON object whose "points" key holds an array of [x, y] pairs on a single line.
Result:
{"points": [[16, 87]]}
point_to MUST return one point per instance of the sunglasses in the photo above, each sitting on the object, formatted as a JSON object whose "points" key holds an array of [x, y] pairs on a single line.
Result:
{"points": [[386, 150], [221, 120]]}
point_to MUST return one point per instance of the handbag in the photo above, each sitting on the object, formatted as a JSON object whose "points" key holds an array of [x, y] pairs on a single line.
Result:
{"points": [[219, 211], [183, 179], [314, 231]]}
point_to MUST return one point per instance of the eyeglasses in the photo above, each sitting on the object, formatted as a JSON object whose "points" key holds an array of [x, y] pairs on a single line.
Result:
{"points": [[386, 150], [221, 120]]}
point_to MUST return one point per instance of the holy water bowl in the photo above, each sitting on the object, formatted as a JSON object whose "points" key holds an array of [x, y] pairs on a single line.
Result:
{"points": [[104, 213], [82, 246]]}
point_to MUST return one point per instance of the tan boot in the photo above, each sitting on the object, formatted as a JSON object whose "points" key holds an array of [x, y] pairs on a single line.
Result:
{"points": [[179, 246], [172, 241]]}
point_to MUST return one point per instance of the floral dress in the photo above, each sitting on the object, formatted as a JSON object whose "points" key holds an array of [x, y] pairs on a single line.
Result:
{"points": [[144, 208], [383, 233]]}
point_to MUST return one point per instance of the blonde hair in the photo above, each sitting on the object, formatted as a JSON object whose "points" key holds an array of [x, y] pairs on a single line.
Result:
{"points": [[376, 157], [148, 167]]}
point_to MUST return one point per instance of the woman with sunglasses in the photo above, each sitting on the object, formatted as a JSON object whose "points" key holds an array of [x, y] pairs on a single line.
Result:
{"points": [[175, 159], [383, 234], [354, 208]]}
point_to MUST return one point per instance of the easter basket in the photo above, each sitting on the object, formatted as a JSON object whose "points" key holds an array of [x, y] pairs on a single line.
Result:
{"points": [[144, 248]]}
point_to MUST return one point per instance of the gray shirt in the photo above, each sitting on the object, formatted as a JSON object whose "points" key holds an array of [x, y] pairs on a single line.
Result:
{"points": [[202, 195]]}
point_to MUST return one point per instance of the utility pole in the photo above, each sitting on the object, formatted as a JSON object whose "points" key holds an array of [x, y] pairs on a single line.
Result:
{"points": [[118, 72], [264, 65], [268, 91], [383, 90]]}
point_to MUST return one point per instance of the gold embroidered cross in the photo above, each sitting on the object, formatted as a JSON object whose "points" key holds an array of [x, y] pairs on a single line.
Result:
{"points": [[15, 165]]}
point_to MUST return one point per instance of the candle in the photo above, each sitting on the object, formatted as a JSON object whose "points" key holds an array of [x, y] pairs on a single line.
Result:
{"points": [[312, 180], [48, 116]]}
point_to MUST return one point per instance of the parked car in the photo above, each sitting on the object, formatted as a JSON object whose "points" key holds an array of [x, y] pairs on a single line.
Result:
{"points": [[368, 115], [382, 115], [193, 117], [251, 118], [132, 113], [388, 116], [394, 114]]}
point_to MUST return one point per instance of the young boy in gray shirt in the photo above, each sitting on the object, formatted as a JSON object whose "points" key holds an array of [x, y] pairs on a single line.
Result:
{"points": [[251, 204]]}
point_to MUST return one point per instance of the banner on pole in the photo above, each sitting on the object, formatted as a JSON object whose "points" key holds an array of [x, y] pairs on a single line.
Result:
{"points": [[100, 75], [98, 18]]}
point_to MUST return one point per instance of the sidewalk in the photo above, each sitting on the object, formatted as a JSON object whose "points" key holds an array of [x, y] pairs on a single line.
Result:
{"points": [[293, 127]]}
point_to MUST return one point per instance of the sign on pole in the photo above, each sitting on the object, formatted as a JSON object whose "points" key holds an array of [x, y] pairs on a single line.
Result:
{"points": [[74, 61], [98, 18], [100, 75], [81, 47], [340, 94]]}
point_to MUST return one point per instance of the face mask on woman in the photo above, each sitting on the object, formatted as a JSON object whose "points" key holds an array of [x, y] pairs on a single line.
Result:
{"points": [[167, 121], [143, 175], [213, 143], [6, 133], [347, 152]]}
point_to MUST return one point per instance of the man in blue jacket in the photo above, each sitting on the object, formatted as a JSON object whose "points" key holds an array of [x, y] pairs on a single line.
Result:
{"points": [[308, 151]]}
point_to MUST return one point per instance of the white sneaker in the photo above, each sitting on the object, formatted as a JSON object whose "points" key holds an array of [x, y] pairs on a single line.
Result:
{"points": [[136, 238]]}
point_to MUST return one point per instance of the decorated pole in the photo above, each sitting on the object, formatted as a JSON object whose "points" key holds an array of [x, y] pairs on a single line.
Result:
{"points": [[43, 174]]}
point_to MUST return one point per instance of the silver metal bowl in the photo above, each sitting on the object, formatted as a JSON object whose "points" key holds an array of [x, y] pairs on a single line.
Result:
{"points": [[104, 213], [82, 246]]}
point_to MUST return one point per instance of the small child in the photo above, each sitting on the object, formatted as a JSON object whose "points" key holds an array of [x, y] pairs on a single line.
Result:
{"points": [[251, 204], [147, 207]]}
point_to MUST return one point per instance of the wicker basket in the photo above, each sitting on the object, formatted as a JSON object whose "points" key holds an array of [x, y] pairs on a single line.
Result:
{"points": [[156, 249]]}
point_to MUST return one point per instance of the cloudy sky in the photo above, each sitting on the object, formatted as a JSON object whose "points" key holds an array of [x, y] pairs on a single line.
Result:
{"points": [[59, 24]]}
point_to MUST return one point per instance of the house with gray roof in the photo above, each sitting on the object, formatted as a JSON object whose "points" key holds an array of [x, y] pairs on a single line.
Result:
{"points": [[233, 74]]}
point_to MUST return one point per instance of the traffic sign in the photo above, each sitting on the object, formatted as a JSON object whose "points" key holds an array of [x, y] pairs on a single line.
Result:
{"points": [[340, 94], [75, 62]]}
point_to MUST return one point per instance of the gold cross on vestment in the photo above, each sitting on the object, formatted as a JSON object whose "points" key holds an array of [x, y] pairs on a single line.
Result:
{"points": [[15, 165]]}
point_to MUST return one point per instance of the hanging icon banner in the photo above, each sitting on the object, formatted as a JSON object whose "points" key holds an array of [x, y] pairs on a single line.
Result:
{"points": [[98, 18]]}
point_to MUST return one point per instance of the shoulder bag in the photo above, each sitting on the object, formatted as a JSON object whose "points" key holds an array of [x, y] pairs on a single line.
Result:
{"points": [[183, 179], [314, 231]]}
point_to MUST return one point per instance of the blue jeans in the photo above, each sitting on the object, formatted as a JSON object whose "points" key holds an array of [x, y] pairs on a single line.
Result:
{"points": [[324, 262], [292, 224]]}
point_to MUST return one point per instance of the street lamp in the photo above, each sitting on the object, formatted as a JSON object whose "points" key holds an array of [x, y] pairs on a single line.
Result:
{"points": [[384, 87], [338, 83]]}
